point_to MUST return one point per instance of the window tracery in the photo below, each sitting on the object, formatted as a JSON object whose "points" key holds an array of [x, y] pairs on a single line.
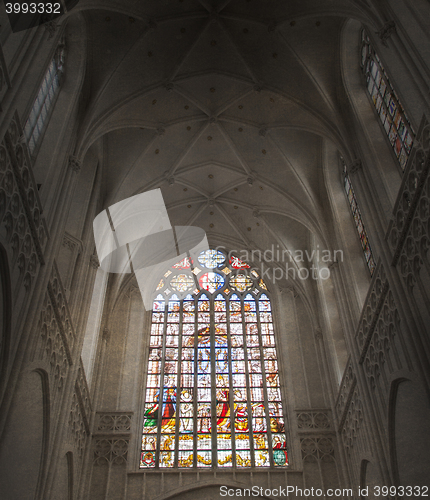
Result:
{"points": [[213, 394]]}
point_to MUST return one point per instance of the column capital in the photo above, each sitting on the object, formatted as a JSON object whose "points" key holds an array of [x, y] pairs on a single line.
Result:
{"points": [[94, 261], [386, 31], [355, 166], [75, 163], [106, 335]]}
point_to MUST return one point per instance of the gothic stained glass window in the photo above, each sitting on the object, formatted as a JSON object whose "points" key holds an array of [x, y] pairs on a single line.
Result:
{"points": [[364, 239], [390, 111], [213, 397], [44, 101]]}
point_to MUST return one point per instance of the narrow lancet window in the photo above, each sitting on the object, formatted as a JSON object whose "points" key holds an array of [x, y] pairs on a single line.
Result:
{"points": [[359, 225], [390, 111], [42, 106]]}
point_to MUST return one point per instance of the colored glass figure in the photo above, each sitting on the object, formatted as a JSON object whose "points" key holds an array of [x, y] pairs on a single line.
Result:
{"points": [[211, 282], [388, 107], [262, 285], [211, 259], [213, 353], [236, 263], [169, 410], [241, 283], [183, 264], [364, 240], [182, 283], [160, 285], [151, 415], [280, 455]]}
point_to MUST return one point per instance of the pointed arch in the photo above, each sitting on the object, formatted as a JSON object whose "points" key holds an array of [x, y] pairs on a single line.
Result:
{"points": [[213, 395]]}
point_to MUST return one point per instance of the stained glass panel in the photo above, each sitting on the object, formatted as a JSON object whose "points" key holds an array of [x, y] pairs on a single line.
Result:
{"points": [[399, 130], [182, 283], [212, 365], [183, 264], [211, 282], [240, 283], [370, 261], [236, 263], [211, 259]]}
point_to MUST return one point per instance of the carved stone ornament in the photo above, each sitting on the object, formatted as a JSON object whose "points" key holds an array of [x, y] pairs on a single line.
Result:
{"points": [[256, 213], [285, 289], [72, 243], [353, 422], [106, 335], [75, 164], [113, 422], [170, 86], [386, 31], [20, 208], [319, 448], [347, 387], [51, 28], [133, 290], [355, 166], [94, 261], [313, 420], [112, 451], [77, 427], [333, 264]]}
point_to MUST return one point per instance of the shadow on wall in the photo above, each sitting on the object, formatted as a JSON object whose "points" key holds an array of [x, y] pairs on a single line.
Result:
{"points": [[217, 492], [409, 432], [23, 443], [5, 313]]}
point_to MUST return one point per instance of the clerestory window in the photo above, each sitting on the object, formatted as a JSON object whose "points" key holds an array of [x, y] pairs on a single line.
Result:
{"points": [[213, 397], [43, 104], [390, 111], [358, 220]]}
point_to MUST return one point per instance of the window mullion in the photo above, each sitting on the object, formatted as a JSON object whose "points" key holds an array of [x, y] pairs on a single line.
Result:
{"points": [[178, 384], [248, 390], [161, 393], [196, 380], [214, 427], [266, 400], [230, 386]]}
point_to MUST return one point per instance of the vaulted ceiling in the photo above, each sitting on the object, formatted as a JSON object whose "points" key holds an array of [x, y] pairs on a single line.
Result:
{"points": [[224, 105]]}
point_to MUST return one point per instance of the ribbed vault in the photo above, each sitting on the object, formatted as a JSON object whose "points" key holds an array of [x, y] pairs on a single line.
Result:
{"points": [[226, 106]]}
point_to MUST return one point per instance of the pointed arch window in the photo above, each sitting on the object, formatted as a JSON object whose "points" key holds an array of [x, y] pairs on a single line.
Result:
{"points": [[213, 397], [43, 104], [388, 107], [358, 220]]}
